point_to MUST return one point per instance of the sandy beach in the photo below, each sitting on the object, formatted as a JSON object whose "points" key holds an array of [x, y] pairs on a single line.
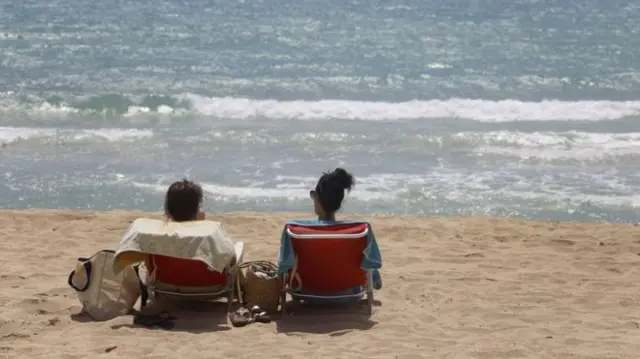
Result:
{"points": [[472, 287]]}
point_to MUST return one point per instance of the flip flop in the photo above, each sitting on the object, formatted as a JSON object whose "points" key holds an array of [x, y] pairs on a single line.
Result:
{"points": [[260, 316], [240, 317]]}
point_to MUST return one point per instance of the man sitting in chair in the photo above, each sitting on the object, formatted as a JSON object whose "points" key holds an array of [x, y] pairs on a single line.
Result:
{"points": [[185, 256], [183, 202]]}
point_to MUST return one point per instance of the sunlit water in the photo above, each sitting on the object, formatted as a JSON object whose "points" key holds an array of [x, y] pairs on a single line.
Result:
{"points": [[517, 108]]}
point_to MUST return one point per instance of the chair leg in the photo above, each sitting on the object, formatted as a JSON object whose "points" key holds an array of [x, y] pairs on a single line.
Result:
{"points": [[283, 294], [283, 302], [369, 286], [369, 303], [230, 296], [234, 291]]}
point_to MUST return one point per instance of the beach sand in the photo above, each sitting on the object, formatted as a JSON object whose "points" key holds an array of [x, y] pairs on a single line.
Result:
{"points": [[453, 288]]}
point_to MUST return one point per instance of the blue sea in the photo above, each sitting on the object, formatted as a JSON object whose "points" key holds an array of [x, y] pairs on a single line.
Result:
{"points": [[524, 108]]}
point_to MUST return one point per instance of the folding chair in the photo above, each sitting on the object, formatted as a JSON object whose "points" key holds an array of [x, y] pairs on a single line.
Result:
{"points": [[192, 279], [328, 261]]}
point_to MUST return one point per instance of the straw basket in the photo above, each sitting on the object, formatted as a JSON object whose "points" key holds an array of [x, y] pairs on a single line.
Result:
{"points": [[260, 285]]}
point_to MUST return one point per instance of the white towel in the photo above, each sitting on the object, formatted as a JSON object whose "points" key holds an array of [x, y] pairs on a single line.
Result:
{"points": [[205, 241]]}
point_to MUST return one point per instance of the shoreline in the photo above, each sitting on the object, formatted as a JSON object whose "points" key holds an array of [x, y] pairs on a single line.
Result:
{"points": [[308, 215]]}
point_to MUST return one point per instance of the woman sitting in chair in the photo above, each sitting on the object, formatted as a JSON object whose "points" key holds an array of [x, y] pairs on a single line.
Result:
{"points": [[327, 197], [327, 200]]}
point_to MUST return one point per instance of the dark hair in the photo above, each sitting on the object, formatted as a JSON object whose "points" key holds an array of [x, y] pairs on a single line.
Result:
{"points": [[330, 189], [182, 201]]}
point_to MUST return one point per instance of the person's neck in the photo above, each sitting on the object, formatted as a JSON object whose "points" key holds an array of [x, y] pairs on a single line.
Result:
{"points": [[331, 218], [170, 219]]}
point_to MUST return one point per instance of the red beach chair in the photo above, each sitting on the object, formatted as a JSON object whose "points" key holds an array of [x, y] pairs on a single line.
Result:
{"points": [[328, 260], [193, 279]]}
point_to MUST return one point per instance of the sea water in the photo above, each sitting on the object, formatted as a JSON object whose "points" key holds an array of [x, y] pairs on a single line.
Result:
{"points": [[524, 108]]}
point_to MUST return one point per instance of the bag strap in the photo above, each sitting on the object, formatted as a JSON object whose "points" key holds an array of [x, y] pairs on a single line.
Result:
{"points": [[86, 265], [144, 294]]}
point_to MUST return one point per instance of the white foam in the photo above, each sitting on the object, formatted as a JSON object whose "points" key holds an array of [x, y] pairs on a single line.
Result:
{"points": [[457, 108], [133, 111], [13, 134], [577, 199], [46, 107], [136, 110], [10, 135], [559, 139], [437, 65], [112, 134], [453, 185], [479, 110], [553, 145], [526, 145], [287, 188]]}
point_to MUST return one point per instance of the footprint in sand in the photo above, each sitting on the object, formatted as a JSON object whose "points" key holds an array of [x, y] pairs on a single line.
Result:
{"points": [[56, 292], [12, 277], [54, 321], [563, 242], [41, 306], [12, 329]]}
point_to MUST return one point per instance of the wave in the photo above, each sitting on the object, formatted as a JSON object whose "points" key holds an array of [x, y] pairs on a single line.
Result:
{"points": [[10, 135], [454, 186], [247, 109], [292, 188], [546, 146], [554, 145]]}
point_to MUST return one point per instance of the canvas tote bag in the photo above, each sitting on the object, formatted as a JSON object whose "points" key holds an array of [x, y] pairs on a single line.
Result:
{"points": [[103, 294]]}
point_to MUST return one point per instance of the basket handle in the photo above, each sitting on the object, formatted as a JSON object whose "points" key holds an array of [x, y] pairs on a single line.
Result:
{"points": [[86, 266]]}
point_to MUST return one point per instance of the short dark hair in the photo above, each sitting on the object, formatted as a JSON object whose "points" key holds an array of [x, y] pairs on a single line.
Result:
{"points": [[182, 201]]}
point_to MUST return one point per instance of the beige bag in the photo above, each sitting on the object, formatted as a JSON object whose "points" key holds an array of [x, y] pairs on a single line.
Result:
{"points": [[261, 285], [103, 294]]}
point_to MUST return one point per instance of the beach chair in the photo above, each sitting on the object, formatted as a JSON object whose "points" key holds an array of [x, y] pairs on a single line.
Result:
{"points": [[188, 260], [327, 261], [179, 278]]}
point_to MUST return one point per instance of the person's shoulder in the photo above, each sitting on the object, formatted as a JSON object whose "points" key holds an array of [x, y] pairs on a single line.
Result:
{"points": [[302, 221]]}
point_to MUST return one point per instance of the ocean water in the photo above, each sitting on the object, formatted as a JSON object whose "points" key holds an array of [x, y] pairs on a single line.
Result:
{"points": [[523, 108]]}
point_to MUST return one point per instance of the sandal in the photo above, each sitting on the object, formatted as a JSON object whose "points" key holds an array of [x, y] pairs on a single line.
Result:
{"points": [[162, 320], [259, 315], [240, 317], [262, 318]]}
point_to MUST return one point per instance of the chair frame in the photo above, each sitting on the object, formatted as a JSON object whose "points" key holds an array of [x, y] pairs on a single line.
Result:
{"points": [[230, 287], [287, 278]]}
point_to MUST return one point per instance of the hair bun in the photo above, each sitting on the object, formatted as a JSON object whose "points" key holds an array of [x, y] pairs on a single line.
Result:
{"points": [[343, 179]]}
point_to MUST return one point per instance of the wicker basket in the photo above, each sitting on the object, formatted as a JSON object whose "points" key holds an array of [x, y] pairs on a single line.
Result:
{"points": [[260, 285]]}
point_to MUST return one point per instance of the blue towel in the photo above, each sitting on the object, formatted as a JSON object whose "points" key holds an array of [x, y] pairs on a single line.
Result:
{"points": [[371, 259]]}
